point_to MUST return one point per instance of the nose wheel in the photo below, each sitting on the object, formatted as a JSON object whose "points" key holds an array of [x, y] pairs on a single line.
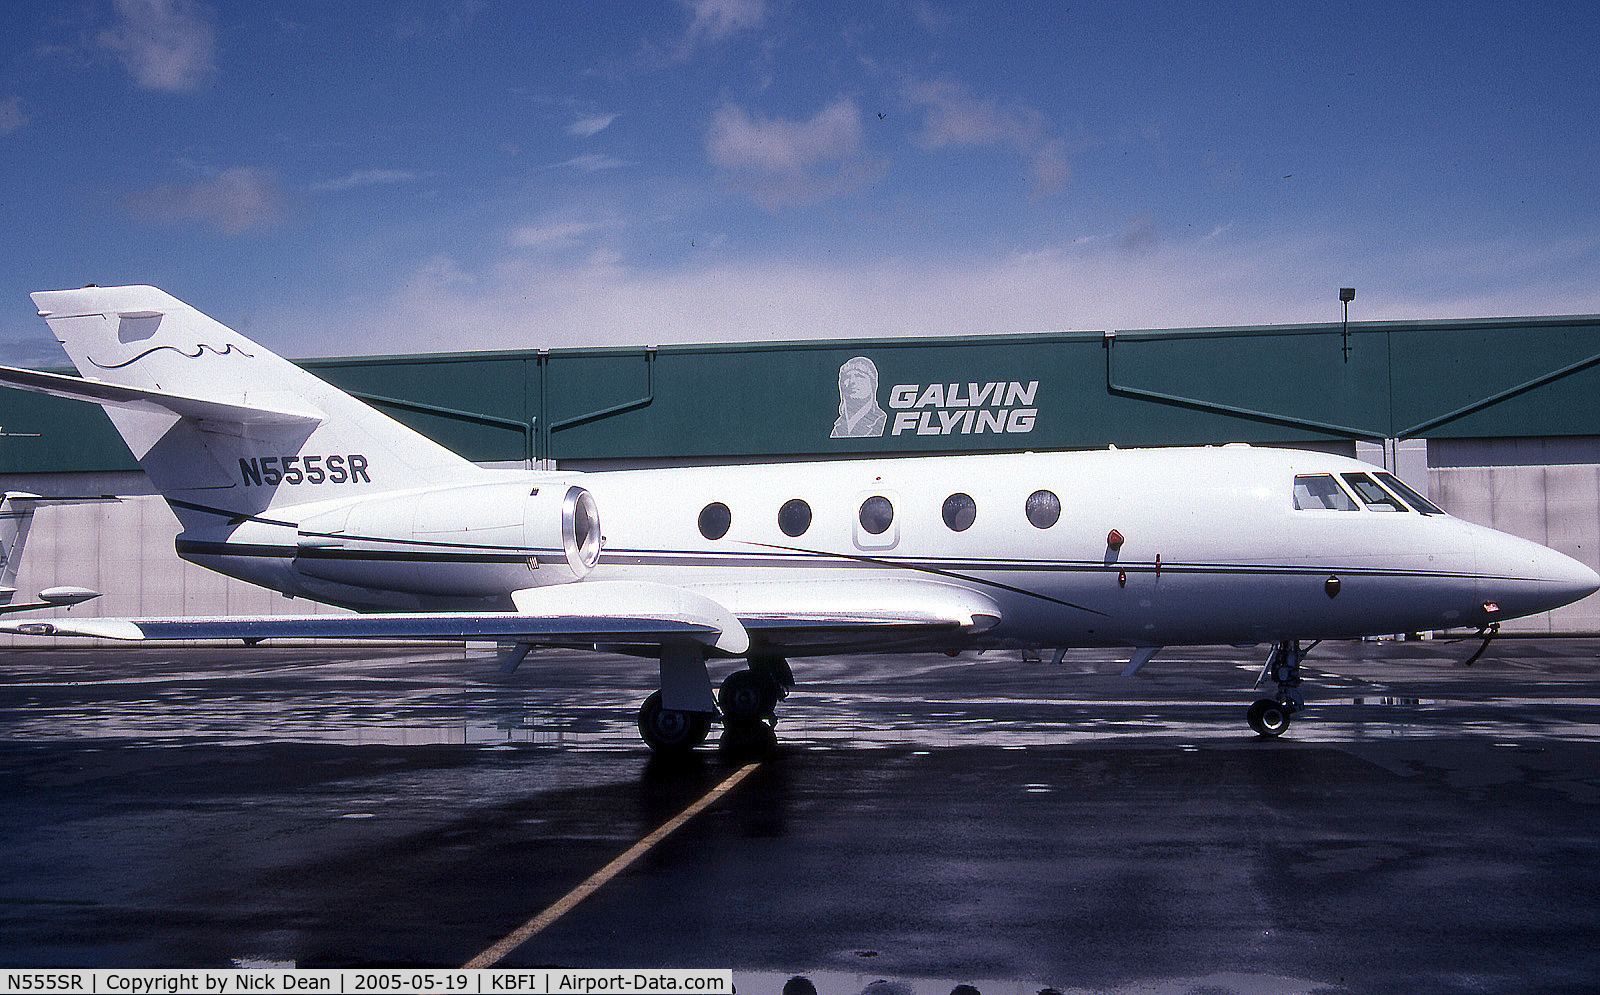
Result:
{"points": [[1270, 717]]}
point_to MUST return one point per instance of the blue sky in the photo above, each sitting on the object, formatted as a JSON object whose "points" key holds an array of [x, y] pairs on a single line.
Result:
{"points": [[348, 179]]}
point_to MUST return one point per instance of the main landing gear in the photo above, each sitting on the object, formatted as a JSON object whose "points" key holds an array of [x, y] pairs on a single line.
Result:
{"points": [[1270, 716], [671, 730], [745, 703]]}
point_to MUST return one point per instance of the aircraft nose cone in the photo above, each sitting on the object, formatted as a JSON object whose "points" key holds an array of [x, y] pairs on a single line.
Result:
{"points": [[1524, 578], [1567, 579]]}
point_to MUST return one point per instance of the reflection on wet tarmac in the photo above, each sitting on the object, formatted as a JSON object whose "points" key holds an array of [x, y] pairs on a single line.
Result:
{"points": [[564, 700]]}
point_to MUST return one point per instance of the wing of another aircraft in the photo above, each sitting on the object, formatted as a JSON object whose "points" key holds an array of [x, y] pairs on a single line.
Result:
{"points": [[51, 597]]}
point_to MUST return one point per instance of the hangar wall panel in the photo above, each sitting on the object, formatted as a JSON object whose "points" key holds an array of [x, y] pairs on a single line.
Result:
{"points": [[1558, 506], [1478, 378]]}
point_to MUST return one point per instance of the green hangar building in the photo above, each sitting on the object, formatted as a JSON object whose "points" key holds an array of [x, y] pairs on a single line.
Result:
{"points": [[1497, 420]]}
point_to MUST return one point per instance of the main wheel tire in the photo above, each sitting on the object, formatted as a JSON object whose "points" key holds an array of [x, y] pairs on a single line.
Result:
{"points": [[746, 696], [667, 730], [1269, 718]]}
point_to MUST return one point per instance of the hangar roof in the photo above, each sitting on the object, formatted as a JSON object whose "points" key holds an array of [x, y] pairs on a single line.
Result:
{"points": [[1493, 377]]}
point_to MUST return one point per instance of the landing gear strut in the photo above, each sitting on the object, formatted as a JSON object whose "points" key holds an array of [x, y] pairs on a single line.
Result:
{"points": [[1270, 717]]}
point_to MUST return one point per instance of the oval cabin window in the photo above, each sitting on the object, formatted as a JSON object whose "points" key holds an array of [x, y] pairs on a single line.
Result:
{"points": [[877, 514], [794, 517], [959, 512], [714, 520], [1043, 509]]}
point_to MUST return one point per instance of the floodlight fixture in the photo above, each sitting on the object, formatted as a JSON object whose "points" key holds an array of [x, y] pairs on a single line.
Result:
{"points": [[1346, 295]]}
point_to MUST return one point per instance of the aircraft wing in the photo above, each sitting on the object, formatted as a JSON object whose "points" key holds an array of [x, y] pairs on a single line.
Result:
{"points": [[814, 615], [139, 399], [623, 612], [782, 614]]}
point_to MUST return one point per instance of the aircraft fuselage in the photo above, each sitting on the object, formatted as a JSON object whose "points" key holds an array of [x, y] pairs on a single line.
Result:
{"points": [[1115, 547]]}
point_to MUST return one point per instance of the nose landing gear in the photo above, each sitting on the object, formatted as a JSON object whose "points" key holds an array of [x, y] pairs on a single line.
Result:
{"points": [[1270, 717]]}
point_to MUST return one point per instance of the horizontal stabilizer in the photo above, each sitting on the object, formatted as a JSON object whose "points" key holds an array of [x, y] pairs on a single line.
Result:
{"points": [[141, 399]]}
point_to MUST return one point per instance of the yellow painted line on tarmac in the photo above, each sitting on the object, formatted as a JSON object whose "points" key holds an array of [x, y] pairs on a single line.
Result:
{"points": [[532, 927]]}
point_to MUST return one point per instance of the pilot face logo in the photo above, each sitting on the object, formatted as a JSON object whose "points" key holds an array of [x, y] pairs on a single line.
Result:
{"points": [[992, 407], [859, 414]]}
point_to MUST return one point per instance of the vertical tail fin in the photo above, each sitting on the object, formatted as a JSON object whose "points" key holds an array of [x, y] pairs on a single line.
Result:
{"points": [[219, 423], [16, 518]]}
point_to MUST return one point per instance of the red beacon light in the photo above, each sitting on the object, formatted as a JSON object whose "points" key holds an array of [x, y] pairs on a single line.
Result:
{"points": [[1114, 539]]}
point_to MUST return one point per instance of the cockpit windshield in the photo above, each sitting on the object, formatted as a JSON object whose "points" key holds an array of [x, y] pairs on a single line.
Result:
{"points": [[1410, 496], [1371, 494]]}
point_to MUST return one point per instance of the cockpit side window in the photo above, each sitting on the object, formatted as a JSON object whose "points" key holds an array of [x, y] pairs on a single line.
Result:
{"points": [[1371, 494], [1320, 492], [1410, 496]]}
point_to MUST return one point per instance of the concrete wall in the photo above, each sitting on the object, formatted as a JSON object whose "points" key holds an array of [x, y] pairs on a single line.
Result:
{"points": [[1558, 506]]}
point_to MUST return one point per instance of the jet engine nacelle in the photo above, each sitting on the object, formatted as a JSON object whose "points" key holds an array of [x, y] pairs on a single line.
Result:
{"points": [[473, 541]]}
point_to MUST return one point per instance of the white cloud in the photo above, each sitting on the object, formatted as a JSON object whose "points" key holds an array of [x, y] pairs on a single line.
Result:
{"points": [[11, 115], [234, 201], [549, 300], [367, 178], [594, 162], [711, 22], [935, 19], [165, 44], [557, 287], [786, 163], [718, 20], [954, 118], [551, 235], [740, 142], [588, 127]]}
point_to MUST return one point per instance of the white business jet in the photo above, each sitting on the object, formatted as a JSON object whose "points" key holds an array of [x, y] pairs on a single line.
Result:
{"points": [[283, 480]]}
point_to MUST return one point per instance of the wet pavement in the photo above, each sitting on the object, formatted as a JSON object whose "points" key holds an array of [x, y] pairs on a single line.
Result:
{"points": [[925, 821]]}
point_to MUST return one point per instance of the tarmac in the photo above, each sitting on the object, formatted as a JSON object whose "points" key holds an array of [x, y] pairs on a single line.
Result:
{"points": [[924, 822]]}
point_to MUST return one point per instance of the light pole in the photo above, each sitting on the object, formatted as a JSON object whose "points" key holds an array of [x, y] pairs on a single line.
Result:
{"points": [[1346, 295]]}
